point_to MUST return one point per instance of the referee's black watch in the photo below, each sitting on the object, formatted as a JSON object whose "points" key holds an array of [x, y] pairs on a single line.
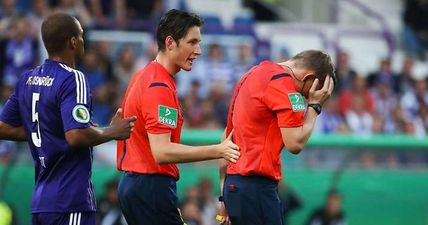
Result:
{"points": [[220, 199], [316, 106]]}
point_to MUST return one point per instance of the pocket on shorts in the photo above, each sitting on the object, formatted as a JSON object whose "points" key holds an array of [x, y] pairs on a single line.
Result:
{"points": [[232, 199]]}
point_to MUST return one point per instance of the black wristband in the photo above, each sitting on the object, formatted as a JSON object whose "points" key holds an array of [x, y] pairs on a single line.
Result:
{"points": [[220, 199], [316, 106]]}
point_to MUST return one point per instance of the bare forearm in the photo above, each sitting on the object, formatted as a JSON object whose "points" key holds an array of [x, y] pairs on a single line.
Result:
{"points": [[88, 137], [296, 138], [178, 153], [308, 125], [9, 132]]}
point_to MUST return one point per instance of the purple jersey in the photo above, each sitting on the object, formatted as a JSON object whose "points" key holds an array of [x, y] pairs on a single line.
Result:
{"points": [[48, 101]]}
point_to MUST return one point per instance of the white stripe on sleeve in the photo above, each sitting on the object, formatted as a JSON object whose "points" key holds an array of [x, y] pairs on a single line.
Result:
{"points": [[84, 87], [71, 219], [76, 76]]}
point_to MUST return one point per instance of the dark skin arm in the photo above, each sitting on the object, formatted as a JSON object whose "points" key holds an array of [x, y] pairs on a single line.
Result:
{"points": [[9, 132], [119, 129]]}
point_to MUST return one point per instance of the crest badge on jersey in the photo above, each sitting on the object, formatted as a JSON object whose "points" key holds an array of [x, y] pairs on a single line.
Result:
{"points": [[297, 102], [167, 116], [81, 114]]}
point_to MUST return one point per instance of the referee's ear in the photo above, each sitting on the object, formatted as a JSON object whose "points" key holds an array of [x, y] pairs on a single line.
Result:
{"points": [[169, 43]]}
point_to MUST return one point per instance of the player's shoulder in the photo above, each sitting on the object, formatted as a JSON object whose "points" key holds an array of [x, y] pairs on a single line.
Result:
{"points": [[66, 74], [62, 68], [149, 78]]}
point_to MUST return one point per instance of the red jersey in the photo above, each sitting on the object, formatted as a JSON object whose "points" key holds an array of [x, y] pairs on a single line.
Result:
{"points": [[265, 99], [151, 96]]}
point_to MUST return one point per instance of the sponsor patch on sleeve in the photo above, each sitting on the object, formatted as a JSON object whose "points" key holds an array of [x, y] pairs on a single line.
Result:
{"points": [[81, 114], [297, 102], [167, 116]]}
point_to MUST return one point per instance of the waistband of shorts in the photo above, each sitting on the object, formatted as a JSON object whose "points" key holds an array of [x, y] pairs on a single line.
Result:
{"points": [[252, 178], [149, 174]]}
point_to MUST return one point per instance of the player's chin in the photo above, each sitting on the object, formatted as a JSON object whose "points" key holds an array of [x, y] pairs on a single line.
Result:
{"points": [[187, 67]]}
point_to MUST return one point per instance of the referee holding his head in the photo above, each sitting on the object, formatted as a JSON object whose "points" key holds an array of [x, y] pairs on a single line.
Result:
{"points": [[268, 112]]}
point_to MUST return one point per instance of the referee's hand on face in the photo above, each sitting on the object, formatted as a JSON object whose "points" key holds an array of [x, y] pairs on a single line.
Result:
{"points": [[229, 150], [320, 96]]}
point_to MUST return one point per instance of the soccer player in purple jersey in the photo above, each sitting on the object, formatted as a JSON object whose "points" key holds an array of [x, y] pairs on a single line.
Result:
{"points": [[51, 108]]}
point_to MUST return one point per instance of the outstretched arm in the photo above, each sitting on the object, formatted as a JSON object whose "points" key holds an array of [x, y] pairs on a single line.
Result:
{"points": [[119, 129], [164, 151]]}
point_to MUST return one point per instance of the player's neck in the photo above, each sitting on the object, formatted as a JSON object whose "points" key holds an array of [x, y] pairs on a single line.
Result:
{"points": [[163, 59], [70, 62]]}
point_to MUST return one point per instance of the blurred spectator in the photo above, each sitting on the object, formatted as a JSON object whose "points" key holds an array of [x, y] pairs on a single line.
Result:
{"points": [[190, 209], [192, 194], [384, 73], [415, 31], [193, 108], [130, 11], [76, 8], [20, 52], [191, 213], [219, 74], [344, 73], [378, 126], [330, 120], [7, 13], [102, 48], [246, 60], [90, 67], [405, 81], [422, 119], [359, 119], [385, 100], [220, 103], [284, 55], [404, 124], [102, 12], [39, 11], [124, 67], [109, 212], [289, 200], [359, 90], [331, 213], [208, 203], [413, 99], [150, 52]]}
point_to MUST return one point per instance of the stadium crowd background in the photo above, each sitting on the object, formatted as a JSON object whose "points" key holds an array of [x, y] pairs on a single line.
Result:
{"points": [[380, 51]]}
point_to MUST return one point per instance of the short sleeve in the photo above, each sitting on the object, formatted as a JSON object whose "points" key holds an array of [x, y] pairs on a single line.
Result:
{"points": [[160, 109], [75, 101], [281, 97], [10, 113]]}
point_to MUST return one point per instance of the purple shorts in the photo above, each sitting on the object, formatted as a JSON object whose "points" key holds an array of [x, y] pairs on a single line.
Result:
{"points": [[74, 218]]}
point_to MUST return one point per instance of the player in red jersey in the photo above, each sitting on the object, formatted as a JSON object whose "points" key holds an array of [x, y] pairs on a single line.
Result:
{"points": [[268, 112], [147, 190]]}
